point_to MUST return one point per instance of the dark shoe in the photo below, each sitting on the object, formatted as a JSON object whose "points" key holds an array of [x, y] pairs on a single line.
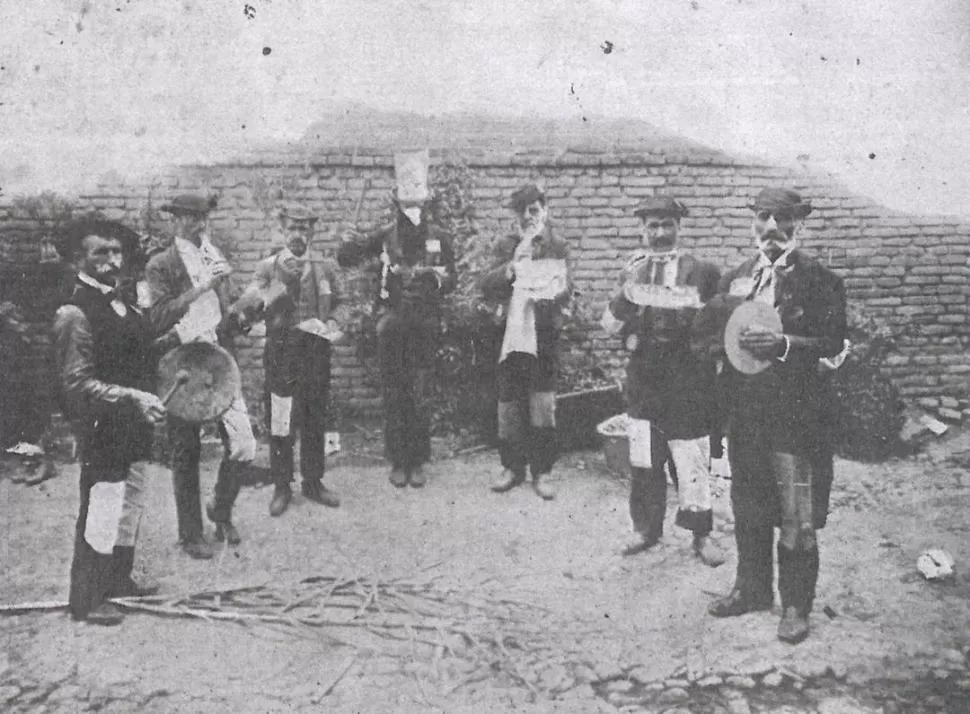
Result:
{"points": [[416, 478], [281, 499], [129, 588], [793, 627], [197, 549], [541, 485], [316, 491], [399, 477], [638, 545], [226, 531], [708, 551], [507, 480], [735, 604], [106, 614]]}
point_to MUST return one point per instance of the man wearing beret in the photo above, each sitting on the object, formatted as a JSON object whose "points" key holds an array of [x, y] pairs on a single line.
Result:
{"points": [[295, 292], [531, 320], [188, 293], [106, 358], [781, 458], [670, 393], [415, 264]]}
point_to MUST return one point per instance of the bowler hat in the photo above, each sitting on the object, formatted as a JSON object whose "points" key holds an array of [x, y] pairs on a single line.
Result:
{"points": [[661, 206], [190, 204]]}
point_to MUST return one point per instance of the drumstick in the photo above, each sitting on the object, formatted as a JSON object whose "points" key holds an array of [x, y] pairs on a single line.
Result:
{"points": [[181, 378]]}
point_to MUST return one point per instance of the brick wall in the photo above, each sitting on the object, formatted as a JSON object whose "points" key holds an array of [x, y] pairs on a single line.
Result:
{"points": [[899, 268]]}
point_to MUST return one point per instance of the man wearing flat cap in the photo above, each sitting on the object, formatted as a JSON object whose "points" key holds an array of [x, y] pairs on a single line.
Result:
{"points": [[188, 293], [669, 390], [106, 359], [779, 450], [529, 284], [415, 266], [295, 292]]}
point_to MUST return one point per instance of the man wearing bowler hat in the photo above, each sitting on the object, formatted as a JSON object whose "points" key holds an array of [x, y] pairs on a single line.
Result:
{"points": [[529, 357], [105, 359], [295, 292], [188, 292], [669, 390], [779, 452]]}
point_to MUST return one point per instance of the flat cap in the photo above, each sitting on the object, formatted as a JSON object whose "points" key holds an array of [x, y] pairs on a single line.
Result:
{"points": [[297, 213], [781, 199], [661, 206], [190, 204], [530, 193]]}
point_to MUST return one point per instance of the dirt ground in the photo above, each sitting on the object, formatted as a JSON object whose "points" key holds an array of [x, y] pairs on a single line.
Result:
{"points": [[628, 634]]}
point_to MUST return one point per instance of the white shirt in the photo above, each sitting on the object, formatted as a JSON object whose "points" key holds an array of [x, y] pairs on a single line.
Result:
{"points": [[205, 313]]}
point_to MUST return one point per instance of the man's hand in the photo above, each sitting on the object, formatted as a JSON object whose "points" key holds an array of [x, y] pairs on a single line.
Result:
{"points": [[149, 406], [762, 344], [218, 275]]}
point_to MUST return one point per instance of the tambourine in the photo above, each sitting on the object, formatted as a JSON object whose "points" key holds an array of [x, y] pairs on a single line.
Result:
{"points": [[747, 316]]}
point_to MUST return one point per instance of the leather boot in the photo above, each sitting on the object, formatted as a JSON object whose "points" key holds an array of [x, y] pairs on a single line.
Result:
{"points": [[752, 590], [507, 480], [282, 493], [225, 530], [399, 477], [542, 486], [797, 575], [708, 551], [315, 491], [125, 586], [417, 477]]}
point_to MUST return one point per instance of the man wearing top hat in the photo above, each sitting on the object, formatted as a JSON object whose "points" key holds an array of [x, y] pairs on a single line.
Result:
{"points": [[780, 456], [669, 390], [295, 292], [415, 266], [188, 292], [529, 356], [105, 359]]}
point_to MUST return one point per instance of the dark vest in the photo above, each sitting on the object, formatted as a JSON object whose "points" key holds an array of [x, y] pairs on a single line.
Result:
{"points": [[116, 434]]}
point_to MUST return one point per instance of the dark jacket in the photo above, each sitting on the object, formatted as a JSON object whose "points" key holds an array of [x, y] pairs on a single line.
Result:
{"points": [[168, 283], [497, 288], [790, 406], [99, 354], [667, 383], [407, 246]]}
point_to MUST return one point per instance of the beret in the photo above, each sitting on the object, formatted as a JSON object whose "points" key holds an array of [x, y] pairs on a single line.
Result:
{"points": [[190, 204], [661, 206], [297, 213], [781, 199]]}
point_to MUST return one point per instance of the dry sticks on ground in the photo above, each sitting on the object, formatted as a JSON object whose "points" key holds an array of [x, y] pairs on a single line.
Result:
{"points": [[468, 636]]}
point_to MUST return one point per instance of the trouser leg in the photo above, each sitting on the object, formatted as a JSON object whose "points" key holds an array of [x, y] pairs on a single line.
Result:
{"points": [[395, 390], [312, 406], [94, 567], [755, 574], [186, 449], [419, 439], [543, 438], [692, 460], [513, 415], [648, 487]]}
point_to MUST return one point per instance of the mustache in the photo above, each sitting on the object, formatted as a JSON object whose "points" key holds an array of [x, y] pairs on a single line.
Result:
{"points": [[774, 237]]}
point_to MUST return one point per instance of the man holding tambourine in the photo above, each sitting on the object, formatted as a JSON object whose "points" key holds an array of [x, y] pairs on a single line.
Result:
{"points": [[787, 320]]}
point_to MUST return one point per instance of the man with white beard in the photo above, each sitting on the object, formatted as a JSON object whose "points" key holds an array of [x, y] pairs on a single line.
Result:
{"points": [[531, 317]]}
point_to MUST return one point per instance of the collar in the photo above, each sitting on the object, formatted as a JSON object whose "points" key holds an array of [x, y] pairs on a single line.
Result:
{"points": [[664, 257], [96, 284], [782, 261]]}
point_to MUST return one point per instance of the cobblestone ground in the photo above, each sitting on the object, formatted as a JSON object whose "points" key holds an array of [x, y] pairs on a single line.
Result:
{"points": [[630, 634]]}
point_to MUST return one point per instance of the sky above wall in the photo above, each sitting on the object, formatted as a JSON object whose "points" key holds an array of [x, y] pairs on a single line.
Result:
{"points": [[875, 92]]}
